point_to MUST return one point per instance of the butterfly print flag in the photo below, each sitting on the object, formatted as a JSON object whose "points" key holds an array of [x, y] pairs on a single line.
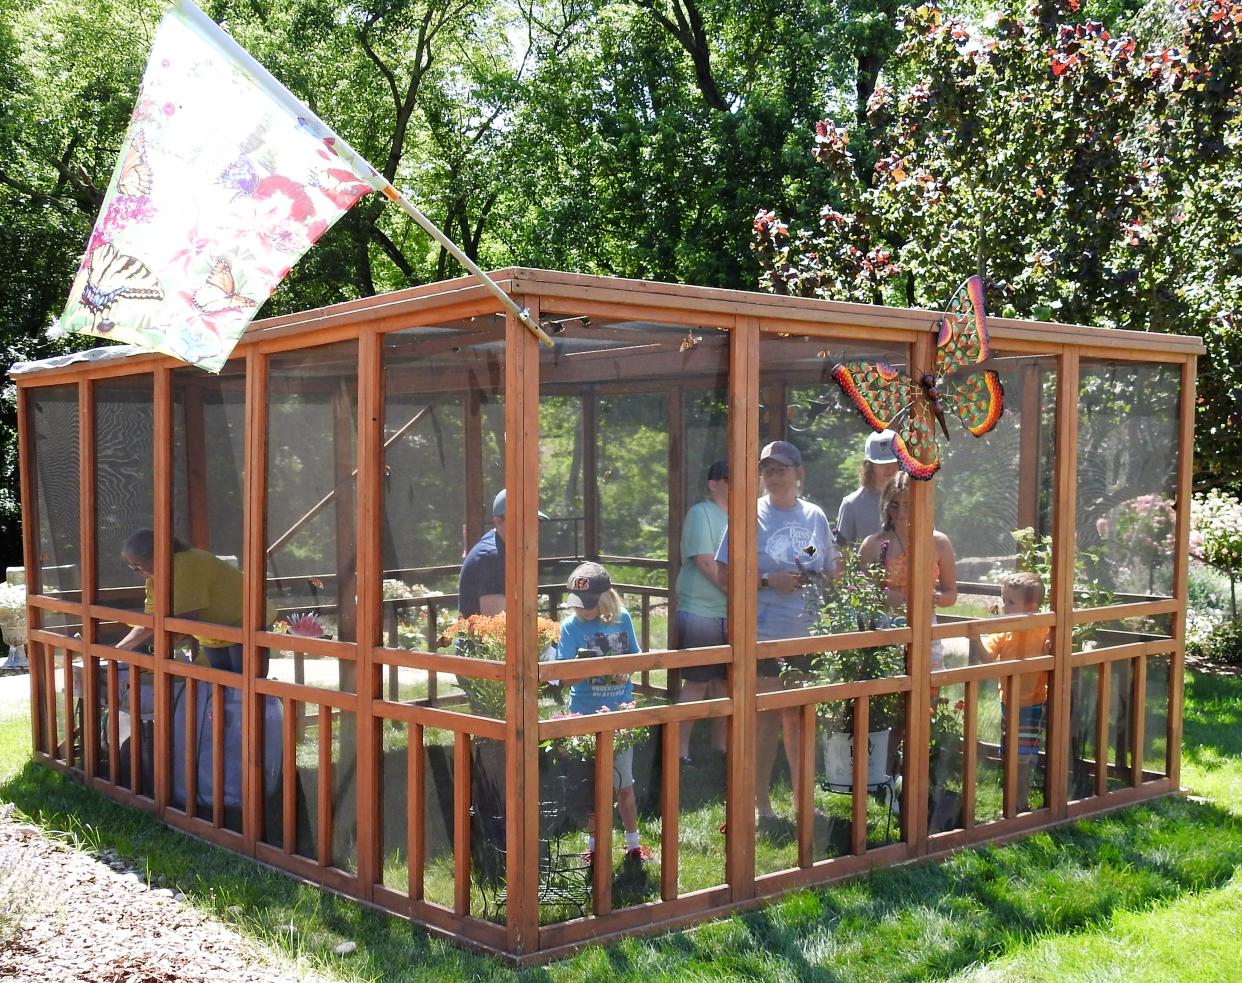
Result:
{"points": [[224, 181]]}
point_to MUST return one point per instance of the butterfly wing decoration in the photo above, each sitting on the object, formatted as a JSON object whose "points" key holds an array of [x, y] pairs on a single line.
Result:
{"points": [[135, 178], [113, 280], [218, 295], [888, 399]]}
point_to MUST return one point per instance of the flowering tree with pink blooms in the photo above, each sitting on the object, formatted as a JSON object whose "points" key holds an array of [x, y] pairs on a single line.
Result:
{"points": [[1089, 176], [1216, 537]]}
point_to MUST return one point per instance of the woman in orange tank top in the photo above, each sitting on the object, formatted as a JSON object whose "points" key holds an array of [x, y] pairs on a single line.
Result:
{"points": [[887, 549]]}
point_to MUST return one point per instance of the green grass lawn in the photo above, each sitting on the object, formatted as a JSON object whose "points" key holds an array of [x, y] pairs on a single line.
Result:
{"points": [[1151, 892]]}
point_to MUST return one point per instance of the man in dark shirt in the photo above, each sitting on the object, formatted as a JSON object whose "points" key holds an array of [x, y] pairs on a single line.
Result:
{"points": [[481, 586]]}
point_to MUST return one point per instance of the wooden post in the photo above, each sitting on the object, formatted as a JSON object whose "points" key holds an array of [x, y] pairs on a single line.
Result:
{"points": [[521, 605], [162, 505], [254, 609], [743, 589], [1181, 552], [920, 610], [1064, 531], [368, 728]]}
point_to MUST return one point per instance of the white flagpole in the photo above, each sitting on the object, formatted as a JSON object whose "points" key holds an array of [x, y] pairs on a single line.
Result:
{"points": [[520, 313], [296, 108]]}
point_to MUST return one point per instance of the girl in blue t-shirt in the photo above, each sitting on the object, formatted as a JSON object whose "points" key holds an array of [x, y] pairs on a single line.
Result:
{"points": [[601, 626]]}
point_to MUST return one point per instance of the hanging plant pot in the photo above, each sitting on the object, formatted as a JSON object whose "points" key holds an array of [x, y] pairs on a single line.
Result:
{"points": [[839, 758]]}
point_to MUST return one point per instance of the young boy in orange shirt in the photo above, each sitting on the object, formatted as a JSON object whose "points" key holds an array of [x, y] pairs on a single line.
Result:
{"points": [[1023, 593]]}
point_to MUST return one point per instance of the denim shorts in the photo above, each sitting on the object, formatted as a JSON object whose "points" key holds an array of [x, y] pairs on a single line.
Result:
{"points": [[695, 632]]}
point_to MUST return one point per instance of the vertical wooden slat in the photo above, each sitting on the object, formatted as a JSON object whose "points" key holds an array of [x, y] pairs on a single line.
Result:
{"points": [[1181, 551], [371, 403], [804, 807], [114, 722], [862, 727], [254, 612], [602, 873], [1010, 791], [920, 612], [1064, 510], [970, 753], [521, 400], [49, 700], [743, 589], [670, 809], [67, 673], [324, 803], [190, 762], [135, 729], [1138, 719], [289, 777], [161, 491], [461, 818], [415, 817], [1103, 714], [217, 755]]}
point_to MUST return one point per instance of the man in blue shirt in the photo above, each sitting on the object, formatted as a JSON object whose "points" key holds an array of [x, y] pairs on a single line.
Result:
{"points": [[481, 586]]}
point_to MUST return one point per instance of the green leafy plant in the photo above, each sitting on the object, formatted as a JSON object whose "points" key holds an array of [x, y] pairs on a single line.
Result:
{"points": [[854, 601], [581, 747]]}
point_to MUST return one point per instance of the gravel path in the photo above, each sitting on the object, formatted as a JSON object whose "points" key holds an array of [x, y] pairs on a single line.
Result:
{"points": [[69, 916]]}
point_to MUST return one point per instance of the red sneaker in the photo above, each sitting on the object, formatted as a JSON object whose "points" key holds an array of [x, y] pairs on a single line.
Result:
{"points": [[639, 854]]}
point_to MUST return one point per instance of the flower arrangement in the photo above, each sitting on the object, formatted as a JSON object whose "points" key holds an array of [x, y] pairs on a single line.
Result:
{"points": [[581, 747], [482, 636], [13, 605], [301, 624]]}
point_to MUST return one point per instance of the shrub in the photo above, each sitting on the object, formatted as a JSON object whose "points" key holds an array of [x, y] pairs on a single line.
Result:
{"points": [[1222, 645]]}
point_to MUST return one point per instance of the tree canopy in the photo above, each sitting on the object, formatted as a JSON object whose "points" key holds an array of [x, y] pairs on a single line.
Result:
{"points": [[1088, 167]]}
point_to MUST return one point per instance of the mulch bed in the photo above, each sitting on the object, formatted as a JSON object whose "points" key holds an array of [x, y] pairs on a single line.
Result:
{"points": [[67, 915]]}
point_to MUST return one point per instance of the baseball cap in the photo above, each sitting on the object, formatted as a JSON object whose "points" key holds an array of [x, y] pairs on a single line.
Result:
{"points": [[719, 471], [783, 451], [879, 448], [498, 506], [585, 584]]}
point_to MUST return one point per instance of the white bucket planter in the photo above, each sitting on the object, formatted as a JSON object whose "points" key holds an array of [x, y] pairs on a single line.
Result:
{"points": [[839, 758], [15, 635]]}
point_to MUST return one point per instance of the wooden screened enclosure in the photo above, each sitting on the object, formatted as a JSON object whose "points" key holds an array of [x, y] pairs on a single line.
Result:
{"points": [[347, 458]]}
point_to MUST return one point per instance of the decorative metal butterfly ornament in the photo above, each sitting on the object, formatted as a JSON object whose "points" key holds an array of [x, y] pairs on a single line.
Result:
{"points": [[890, 400]]}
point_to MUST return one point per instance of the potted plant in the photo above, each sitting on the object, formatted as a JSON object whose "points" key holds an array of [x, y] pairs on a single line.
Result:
{"points": [[855, 601], [482, 636], [945, 765], [13, 621]]}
